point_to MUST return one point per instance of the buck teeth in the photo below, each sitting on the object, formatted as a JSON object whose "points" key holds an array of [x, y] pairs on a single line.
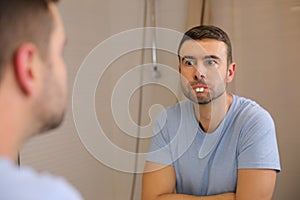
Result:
{"points": [[200, 89]]}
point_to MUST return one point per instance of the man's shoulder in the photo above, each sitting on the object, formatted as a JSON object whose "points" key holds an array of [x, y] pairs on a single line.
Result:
{"points": [[251, 111], [25, 183], [249, 106]]}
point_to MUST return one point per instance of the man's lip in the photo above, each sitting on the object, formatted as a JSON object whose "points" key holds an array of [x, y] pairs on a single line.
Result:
{"points": [[199, 86]]}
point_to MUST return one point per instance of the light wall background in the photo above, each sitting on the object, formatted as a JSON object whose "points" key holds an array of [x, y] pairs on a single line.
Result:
{"points": [[266, 45]]}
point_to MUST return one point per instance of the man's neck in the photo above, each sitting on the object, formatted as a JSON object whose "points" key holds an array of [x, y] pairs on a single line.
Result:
{"points": [[12, 131], [9, 148], [210, 115]]}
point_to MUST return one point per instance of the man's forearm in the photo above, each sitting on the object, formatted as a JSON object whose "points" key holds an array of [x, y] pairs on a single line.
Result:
{"points": [[225, 196]]}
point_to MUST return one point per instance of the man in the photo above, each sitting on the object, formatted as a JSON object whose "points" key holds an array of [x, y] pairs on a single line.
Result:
{"points": [[33, 93], [215, 145]]}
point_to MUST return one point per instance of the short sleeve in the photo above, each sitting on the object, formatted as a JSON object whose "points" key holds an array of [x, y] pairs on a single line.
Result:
{"points": [[160, 151], [258, 144]]}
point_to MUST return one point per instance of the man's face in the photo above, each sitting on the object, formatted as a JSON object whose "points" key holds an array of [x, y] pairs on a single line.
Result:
{"points": [[204, 70], [53, 95]]}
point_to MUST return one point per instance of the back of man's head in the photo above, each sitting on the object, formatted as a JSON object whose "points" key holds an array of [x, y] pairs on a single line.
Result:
{"points": [[23, 21]]}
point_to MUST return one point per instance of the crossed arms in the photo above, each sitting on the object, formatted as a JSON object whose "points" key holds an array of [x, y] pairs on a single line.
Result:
{"points": [[252, 184]]}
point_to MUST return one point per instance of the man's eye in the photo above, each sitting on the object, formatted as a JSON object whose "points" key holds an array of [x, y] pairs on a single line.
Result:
{"points": [[189, 63], [210, 63]]}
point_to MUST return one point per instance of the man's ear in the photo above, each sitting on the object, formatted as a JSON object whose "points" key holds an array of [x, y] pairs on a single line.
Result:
{"points": [[24, 60], [230, 72]]}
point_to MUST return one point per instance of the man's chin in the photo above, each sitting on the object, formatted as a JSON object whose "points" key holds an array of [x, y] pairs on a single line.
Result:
{"points": [[201, 99], [52, 123], [204, 102]]}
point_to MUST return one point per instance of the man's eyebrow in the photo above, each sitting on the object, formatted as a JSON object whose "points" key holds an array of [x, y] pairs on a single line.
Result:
{"points": [[188, 58], [212, 57]]}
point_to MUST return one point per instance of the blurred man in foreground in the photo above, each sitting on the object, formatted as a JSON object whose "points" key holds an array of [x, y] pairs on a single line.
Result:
{"points": [[33, 93]]}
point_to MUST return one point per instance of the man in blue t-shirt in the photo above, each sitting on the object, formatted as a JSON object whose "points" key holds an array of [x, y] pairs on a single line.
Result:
{"points": [[215, 145], [33, 94]]}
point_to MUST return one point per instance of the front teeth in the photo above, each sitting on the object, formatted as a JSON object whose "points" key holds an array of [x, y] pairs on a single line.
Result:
{"points": [[200, 89]]}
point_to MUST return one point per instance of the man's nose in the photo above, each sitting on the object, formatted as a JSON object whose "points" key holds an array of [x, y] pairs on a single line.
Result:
{"points": [[199, 72]]}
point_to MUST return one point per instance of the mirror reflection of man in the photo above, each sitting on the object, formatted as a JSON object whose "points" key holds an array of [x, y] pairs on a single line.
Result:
{"points": [[33, 93], [233, 153]]}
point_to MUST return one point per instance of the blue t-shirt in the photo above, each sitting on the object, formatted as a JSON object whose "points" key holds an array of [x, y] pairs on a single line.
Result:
{"points": [[25, 184], [207, 164]]}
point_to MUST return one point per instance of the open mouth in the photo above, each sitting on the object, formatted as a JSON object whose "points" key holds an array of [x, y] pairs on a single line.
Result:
{"points": [[199, 88]]}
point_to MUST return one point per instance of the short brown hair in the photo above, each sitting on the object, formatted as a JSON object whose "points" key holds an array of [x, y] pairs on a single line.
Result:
{"points": [[24, 21], [208, 32]]}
